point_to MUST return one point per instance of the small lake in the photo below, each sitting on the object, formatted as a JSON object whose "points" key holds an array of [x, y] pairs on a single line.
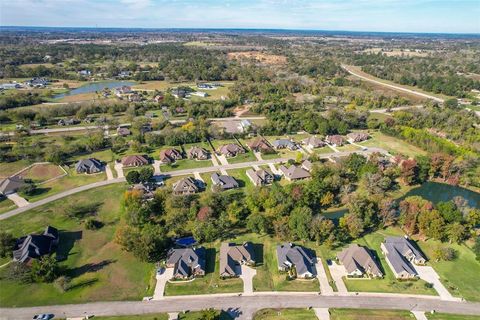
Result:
{"points": [[94, 86], [432, 191]]}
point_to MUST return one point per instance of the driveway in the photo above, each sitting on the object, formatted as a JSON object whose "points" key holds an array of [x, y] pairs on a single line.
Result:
{"points": [[258, 155], [247, 276], [337, 272], [156, 167], [419, 315], [109, 172], [430, 275], [223, 160], [322, 313], [325, 287], [332, 147], [119, 168], [161, 282], [19, 201]]}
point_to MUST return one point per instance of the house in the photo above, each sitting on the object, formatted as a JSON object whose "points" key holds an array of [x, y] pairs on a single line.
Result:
{"points": [[122, 131], [291, 256], [37, 82], [146, 189], [357, 136], [307, 165], [400, 254], [68, 122], [223, 182], [187, 262], [89, 166], [205, 86], [285, 144], [158, 98], [147, 127], [335, 140], [198, 153], [231, 150], [10, 185], [34, 246], [358, 262], [186, 186], [232, 256], [135, 161], [260, 144], [179, 93], [294, 173], [122, 90], [124, 74], [313, 142], [244, 125], [168, 156], [134, 97], [84, 72], [199, 94], [260, 177]]}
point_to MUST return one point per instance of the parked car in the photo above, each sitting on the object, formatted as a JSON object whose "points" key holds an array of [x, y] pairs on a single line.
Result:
{"points": [[44, 316]]}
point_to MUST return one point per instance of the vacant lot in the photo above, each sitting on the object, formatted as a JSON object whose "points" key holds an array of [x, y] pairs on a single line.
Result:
{"points": [[285, 314], [10, 168], [392, 145], [99, 269], [186, 164], [257, 56], [42, 172], [364, 314]]}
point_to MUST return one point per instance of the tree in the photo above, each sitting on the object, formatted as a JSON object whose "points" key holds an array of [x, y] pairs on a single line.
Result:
{"points": [[456, 232], [257, 223], [451, 103], [133, 177], [44, 269], [449, 212], [321, 228], [431, 224], [445, 254], [409, 171], [352, 224], [7, 242], [209, 314], [473, 217], [476, 248], [145, 174], [299, 223]]}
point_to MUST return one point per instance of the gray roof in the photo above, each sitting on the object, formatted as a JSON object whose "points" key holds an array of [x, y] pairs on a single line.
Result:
{"points": [[260, 177], [294, 172], [224, 182], [10, 185], [232, 255], [314, 142], [90, 165], [34, 246], [186, 186], [231, 148], [399, 251], [187, 261], [198, 152], [285, 143], [289, 254], [356, 257]]}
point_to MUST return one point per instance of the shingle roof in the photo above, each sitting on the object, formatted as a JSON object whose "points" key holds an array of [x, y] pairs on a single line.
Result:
{"points": [[259, 176], [231, 255], [10, 185], [187, 261], [398, 248], [90, 165], [186, 186], [356, 257], [224, 182], [288, 254], [34, 246], [294, 172], [134, 160]]}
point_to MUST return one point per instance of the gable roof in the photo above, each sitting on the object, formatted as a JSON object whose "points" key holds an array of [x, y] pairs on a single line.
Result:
{"points": [[356, 257], [398, 250], [187, 261], [170, 155], [259, 176], [313, 141], [289, 254], [259, 143], [89, 165], [285, 143], [294, 172], [231, 148], [134, 160], [10, 185], [197, 152], [224, 182], [186, 186], [34, 246], [231, 255]]}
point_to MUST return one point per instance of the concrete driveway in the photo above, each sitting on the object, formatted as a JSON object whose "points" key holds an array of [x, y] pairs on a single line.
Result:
{"points": [[156, 167], [109, 172], [430, 275], [119, 168], [322, 313], [161, 282], [247, 276], [337, 272], [19, 201], [325, 287]]}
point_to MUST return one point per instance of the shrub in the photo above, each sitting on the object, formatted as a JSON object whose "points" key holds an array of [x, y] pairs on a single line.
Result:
{"points": [[62, 283], [7, 242], [92, 224]]}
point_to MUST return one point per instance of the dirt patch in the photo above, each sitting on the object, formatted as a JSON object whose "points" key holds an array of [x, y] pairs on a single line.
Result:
{"points": [[258, 56], [42, 172]]}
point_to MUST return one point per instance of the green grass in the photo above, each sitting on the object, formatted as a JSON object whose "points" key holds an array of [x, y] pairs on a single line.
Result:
{"points": [[446, 316], [243, 157], [285, 314], [241, 176], [388, 284], [392, 145], [9, 168], [364, 314], [120, 276], [155, 316], [348, 147], [186, 164], [6, 204], [211, 282], [197, 315], [323, 150], [42, 172], [461, 284]]}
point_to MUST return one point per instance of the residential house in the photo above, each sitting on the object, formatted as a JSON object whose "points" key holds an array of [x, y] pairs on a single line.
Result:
{"points": [[307, 165], [260, 144], [68, 122], [124, 74], [135, 97], [313, 142], [294, 173], [37, 82], [186, 186], [335, 140], [122, 131], [179, 93], [168, 156], [199, 94], [244, 125], [223, 182], [147, 127], [198, 153], [232, 256], [260, 177], [10, 185], [35, 246], [122, 90], [84, 72], [146, 189], [357, 136], [290, 256], [89, 166], [285, 144], [187, 262], [401, 254], [231, 150], [358, 262], [135, 161], [204, 86]]}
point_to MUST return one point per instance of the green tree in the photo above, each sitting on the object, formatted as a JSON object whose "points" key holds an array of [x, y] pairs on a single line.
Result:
{"points": [[133, 177], [299, 223], [44, 269], [7, 242], [256, 222]]}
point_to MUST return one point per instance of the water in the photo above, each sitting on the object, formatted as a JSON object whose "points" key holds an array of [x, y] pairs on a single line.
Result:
{"points": [[95, 86]]}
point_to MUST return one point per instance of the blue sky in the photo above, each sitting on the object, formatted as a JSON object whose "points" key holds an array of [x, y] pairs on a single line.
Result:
{"points": [[453, 16]]}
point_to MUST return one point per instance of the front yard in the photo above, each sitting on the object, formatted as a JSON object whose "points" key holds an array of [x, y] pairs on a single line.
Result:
{"points": [[284, 314], [365, 314], [186, 164]]}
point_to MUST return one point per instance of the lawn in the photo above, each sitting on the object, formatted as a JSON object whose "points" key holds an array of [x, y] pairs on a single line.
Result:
{"points": [[211, 282], [388, 284], [186, 164], [241, 176], [445, 316], [284, 314], [323, 150], [197, 315], [244, 157], [99, 269], [348, 147], [6, 204], [155, 316], [364, 314], [460, 284], [42, 172], [10, 168], [392, 145]]}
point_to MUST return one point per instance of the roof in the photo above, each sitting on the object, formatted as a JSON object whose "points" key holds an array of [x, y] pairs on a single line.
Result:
{"points": [[34, 246], [134, 160], [313, 141], [397, 250], [89, 165], [289, 254], [335, 139], [259, 176], [10, 185], [231, 255], [231, 148], [259, 143], [307, 165], [197, 151], [186, 185], [170, 155], [284, 143], [224, 182], [295, 172], [186, 260], [356, 257]]}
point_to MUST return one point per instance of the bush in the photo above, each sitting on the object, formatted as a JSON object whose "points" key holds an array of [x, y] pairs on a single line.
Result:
{"points": [[133, 177], [445, 254], [44, 269], [7, 242], [92, 224], [17, 271], [62, 283]]}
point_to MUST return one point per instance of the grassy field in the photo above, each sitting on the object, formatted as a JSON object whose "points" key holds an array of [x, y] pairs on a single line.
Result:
{"points": [[42, 172], [9, 168], [241, 176], [364, 314], [155, 316], [284, 314], [6, 204], [348, 147], [186, 164], [99, 269], [392, 145], [460, 284], [445, 316], [214, 94], [244, 157]]}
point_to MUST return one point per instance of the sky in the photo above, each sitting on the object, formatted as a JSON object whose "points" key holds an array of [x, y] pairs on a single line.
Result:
{"points": [[438, 16]]}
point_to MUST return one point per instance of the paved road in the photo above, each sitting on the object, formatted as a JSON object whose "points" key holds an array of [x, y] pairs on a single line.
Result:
{"points": [[420, 94], [246, 304], [121, 179], [67, 129]]}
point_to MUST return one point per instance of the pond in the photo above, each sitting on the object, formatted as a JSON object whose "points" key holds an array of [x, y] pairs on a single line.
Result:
{"points": [[94, 86], [432, 191]]}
